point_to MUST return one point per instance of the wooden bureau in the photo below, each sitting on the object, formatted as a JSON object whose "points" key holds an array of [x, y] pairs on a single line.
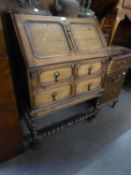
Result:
{"points": [[57, 62], [116, 73]]}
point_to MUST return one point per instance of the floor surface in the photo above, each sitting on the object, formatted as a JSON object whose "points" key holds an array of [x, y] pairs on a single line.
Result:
{"points": [[99, 148]]}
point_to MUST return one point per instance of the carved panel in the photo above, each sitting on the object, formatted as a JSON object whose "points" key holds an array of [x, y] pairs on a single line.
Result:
{"points": [[47, 39], [87, 37]]}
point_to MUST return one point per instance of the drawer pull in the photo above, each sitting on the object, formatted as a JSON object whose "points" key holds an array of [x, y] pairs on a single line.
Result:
{"points": [[56, 76], [89, 86], [90, 69], [54, 95]]}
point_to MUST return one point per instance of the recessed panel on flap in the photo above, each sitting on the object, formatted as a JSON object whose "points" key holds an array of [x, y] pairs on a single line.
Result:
{"points": [[86, 37], [47, 39]]}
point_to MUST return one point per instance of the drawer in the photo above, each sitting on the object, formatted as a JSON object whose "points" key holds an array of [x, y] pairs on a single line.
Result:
{"points": [[88, 85], [110, 93], [55, 75], [116, 77], [87, 69], [53, 94], [119, 64]]}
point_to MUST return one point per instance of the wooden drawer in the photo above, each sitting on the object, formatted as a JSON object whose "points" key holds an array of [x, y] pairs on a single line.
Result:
{"points": [[119, 64], [55, 74], [111, 93], [116, 77], [87, 69], [88, 85], [53, 94]]}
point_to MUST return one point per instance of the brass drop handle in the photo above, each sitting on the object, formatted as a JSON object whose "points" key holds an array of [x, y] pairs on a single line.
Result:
{"points": [[90, 69], [89, 86], [54, 95], [56, 76]]}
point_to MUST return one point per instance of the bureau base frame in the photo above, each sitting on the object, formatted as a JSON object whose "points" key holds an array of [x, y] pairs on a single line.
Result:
{"points": [[38, 134]]}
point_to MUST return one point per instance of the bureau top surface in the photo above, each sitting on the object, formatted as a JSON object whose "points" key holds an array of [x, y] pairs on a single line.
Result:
{"points": [[49, 40]]}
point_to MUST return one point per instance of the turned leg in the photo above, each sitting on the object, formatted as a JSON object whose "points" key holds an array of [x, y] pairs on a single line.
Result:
{"points": [[93, 117], [35, 141], [34, 135], [114, 104]]}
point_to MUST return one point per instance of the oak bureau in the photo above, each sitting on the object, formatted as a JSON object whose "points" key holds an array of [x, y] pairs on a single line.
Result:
{"points": [[56, 62]]}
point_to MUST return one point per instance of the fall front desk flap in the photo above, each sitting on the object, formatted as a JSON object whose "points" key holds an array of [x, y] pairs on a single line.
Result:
{"points": [[49, 40]]}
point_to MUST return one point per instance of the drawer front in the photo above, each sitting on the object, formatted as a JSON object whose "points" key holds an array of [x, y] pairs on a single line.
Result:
{"points": [[117, 77], [89, 69], [110, 94], [88, 85], [119, 64], [55, 75], [54, 94]]}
